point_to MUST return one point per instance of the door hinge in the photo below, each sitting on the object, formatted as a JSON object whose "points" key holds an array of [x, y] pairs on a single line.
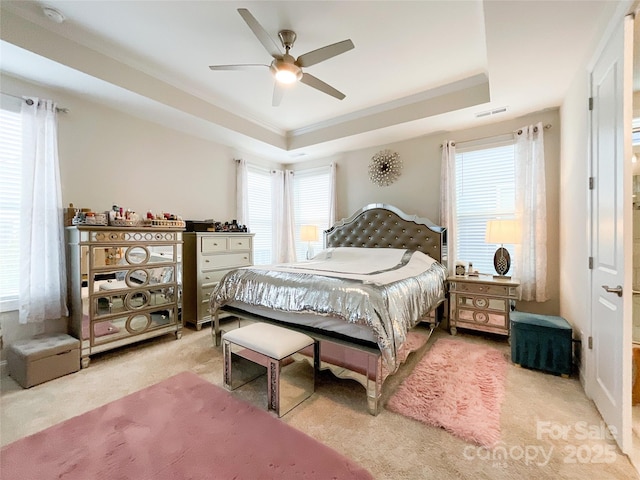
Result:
{"points": [[592, 182], [590, 263], [590, 343], [590, 103]]}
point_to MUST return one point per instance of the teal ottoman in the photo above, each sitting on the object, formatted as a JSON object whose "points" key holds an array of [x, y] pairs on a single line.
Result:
{"points": [[542, 342]]}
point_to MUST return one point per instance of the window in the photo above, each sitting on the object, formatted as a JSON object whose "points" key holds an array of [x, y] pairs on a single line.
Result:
{"points": [[485, 190], [10, 172], [310, 203], [260, 218], [635, 135], [311, 206]]}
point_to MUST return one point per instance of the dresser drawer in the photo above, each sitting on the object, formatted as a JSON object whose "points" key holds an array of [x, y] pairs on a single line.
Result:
{"points": [[213, 244], [205, 295], [240, 243], [210, 262], [212, 277]]}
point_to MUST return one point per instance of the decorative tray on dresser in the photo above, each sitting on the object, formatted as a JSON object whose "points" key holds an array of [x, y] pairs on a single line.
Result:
{"points": [[124, 285], [481, 303]]}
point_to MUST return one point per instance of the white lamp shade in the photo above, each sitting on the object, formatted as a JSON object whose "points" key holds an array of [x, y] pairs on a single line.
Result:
{"points": [[308, 233], [503, 231]]}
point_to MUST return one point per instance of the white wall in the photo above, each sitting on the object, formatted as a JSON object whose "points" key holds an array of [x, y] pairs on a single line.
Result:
{"points": [[108, 157], [574, 228]]}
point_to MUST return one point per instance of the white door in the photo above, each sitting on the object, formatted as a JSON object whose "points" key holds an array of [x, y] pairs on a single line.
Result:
{"points": [[610, 359]]}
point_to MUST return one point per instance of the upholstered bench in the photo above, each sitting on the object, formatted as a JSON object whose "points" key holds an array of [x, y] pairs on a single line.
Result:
{"points": [[43, 358], [542, 342], [290, 377]]}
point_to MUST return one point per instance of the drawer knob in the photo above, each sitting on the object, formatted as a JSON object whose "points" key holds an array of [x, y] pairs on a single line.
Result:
{"points": [[207, 278], [206, 261], [215, 244]]}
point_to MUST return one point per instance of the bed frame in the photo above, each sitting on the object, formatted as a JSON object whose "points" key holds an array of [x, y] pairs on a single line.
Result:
{"points": [[375, 226]]}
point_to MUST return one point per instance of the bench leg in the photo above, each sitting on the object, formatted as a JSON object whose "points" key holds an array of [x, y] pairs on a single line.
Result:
{"points": [[273, 386], [226, 353]]}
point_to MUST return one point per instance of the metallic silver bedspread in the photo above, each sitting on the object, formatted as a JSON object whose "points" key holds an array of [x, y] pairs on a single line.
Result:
{"points": [[390, 310]]}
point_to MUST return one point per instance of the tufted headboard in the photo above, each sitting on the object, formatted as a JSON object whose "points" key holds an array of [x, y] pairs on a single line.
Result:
{"points": [[384, 226]]}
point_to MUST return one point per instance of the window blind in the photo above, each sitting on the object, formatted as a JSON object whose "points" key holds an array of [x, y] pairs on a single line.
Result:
{"points": [[485, 190], [260, 217], [10, 176], [311, 206]]}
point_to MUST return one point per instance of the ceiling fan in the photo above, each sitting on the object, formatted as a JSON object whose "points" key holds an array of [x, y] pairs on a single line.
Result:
{"points": [[284, 67]]}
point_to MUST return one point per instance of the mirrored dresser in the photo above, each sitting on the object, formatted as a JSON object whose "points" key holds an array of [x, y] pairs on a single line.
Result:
{"points": [[124, 285]]}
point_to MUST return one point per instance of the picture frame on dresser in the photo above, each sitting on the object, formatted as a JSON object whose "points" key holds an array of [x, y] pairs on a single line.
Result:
{"points": [[207, 257]]}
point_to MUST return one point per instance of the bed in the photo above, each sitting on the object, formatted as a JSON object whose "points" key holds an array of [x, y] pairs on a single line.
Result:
{"points": [[380, 274]]}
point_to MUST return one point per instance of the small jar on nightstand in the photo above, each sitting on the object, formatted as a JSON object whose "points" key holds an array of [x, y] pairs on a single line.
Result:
{"points": [[481, 303]]}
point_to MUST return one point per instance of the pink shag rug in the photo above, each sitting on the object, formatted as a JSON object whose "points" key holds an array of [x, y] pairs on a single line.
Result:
{"points": [[183, 427], [458, 386]]}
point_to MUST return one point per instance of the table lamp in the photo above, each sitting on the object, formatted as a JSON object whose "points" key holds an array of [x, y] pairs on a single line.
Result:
{"points": [[309, 233], [501, 232]]}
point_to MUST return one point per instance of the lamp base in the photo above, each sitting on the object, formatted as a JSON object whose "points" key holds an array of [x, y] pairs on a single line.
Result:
{"points": [[310, 253], [501, 261], [502, 277]]}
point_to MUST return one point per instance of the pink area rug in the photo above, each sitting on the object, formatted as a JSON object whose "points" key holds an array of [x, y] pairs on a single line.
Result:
{"points": [[180, 428], [458, 386]]}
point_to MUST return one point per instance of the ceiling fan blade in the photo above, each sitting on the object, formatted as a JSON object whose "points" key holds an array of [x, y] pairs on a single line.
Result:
{"points": [[246, 66], [324, 53], [320, 85], [257, 29], [278, 92]]}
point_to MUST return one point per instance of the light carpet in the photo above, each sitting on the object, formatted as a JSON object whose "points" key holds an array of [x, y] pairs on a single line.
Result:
{"points": [[183, 427], [458, 386]]}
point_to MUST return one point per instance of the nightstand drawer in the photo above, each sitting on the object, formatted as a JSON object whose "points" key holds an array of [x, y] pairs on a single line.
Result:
{"points": [[482, 288], [482, 317], [214, 244], [482, 302]]}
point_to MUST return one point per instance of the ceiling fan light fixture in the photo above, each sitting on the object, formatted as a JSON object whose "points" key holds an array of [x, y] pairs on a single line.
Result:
{"points": [[286, 76], [286, 73]]}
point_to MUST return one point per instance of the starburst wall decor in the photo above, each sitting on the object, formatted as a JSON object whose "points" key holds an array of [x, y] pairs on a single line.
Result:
{"points": [[385, 167]]}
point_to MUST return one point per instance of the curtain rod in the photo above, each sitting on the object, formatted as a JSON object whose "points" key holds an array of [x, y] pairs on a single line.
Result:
{"points": [[514, 132], [30, 102]]}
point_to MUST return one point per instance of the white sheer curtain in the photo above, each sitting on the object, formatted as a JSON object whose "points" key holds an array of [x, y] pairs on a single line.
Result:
{"points": [[448, 200], [333, 197], [531, 210], [242, 192], [43, 277], [283, 238]]}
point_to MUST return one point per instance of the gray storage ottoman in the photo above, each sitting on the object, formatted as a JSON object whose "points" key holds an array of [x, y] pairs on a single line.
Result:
{"points": [[43, 358]]}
